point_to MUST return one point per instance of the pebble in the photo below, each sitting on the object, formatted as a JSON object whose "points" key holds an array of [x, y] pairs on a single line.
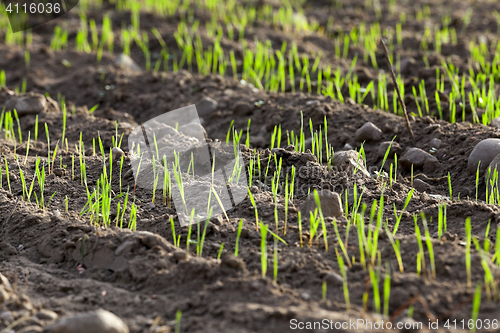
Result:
{"points": [[368, 132], [494, 165], [32, 103], [395, 149], [349, 161], [99, 321], [495, 122], [128, 174], [485, 151], [124, 61], [117, 153], [242, 109], [435, 143], [419, 159], [206, 106], [421, 186], [334, 279], [194, 130], [6, 316], [331, 205], [46, 315]]}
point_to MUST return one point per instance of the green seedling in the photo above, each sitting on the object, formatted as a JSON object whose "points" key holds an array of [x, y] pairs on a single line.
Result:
{"points": [[236, 247], [263, 249], [468, 239], [345, 287]]}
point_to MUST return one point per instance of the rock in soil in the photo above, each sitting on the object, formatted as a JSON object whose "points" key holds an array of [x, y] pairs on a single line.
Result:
{"points": [[421, 186], [419, 159], [32, 103], [117, 153], [100, 321], [395, 149], [368, 132], [485, 151], [492, 168], [495, 122], [194, 130], [125, 62], [435, 143], [331, 205], [206, 106], [242, 109], [349, 161]]}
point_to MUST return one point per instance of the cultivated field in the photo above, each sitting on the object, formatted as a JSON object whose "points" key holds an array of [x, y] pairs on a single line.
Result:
{"points": [[340, 208]]}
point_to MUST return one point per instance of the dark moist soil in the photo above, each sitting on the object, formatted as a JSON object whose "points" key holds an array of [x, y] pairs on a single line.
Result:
{"points": [[57, 260]]}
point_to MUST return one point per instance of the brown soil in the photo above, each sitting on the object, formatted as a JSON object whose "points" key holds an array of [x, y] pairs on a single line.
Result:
{"points": [[144, 279]]}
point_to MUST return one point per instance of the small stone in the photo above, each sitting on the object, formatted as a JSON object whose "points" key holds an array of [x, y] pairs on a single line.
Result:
{"points": [[495, 122], [150, 206], [368, 132], [349, 161], [254, 189], [333, 279], [435, 143], [421, 186], [31, 103], [46, 315], [242, 109], [206, 106], [59, 172], [100, 321], [124, 61], [348, 147], [492, 168], [419, 159], [194, 130], [485, 151], [331, 206], [51, 176], [6, 316], [395, 149], [128, 174], [117, 153]]}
